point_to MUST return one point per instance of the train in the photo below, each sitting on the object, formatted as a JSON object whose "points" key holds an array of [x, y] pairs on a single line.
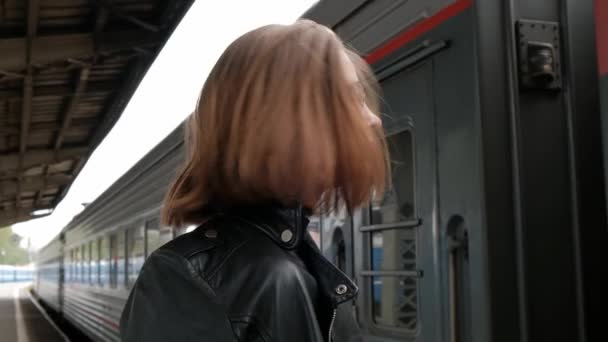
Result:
{"points": [[495, 223]]}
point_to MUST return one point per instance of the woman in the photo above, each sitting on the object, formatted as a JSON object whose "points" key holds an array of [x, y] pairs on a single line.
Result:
{"points": [[282, 130]]}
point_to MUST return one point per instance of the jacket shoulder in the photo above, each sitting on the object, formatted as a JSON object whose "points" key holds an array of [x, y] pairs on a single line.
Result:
{"points": [[206, 236], [206, 246], [168, 281], [190, 244]]}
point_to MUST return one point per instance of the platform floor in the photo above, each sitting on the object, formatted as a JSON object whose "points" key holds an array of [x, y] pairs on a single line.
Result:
{"points": [[21, 320]]}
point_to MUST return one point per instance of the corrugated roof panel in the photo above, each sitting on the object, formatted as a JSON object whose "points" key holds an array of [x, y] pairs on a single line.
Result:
{"points": [[67, 69]]}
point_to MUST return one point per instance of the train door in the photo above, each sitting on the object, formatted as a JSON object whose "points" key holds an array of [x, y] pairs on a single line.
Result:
{"points": [[392, 247], [411, 257], [397, 264]]}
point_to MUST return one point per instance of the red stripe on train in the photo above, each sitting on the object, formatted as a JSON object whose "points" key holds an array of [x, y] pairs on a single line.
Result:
{"points": [[111, 324], [601, 24], [418, 30]]}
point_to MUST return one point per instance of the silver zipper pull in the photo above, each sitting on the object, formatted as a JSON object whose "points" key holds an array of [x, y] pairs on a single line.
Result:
{"points": [[331, 325]]}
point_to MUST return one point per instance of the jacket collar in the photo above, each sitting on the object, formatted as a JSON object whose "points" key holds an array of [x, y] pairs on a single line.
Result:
{"points": [[332, 282], [287, 228]]}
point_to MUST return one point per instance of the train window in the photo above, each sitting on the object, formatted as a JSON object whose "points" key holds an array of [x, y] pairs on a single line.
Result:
{"points": [[87, 262], [314, 229], [94, 262], [121, 268], [113, 260], [76, 265], [398, 202], [392, 243], [84, 262], [66, 264], [104, 260], [334, 248], [136, 252], [156, 236], [333, 242], [339, 253], [70, 266], [73, 266]]}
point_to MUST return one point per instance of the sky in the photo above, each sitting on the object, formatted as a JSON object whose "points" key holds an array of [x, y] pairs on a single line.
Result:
{"points": [[166, 95]]}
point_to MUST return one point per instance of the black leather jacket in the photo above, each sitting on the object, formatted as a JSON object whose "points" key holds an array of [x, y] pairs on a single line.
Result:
{"points": [[251, 276]]}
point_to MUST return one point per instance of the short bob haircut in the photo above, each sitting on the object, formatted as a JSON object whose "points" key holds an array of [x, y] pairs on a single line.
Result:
{"points": [[278, 122]]}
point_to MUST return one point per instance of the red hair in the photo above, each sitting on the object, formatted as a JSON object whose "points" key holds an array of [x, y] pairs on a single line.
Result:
{"points": [[277, 121]]}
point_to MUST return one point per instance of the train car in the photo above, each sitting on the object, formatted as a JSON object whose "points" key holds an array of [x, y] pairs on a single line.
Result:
{"points": [[495, 225], [104, 247], [496, 218], [49, 280]]}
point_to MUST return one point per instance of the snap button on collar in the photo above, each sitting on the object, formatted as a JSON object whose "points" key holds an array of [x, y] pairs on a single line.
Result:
{"points": [[211, 233], [286, 235], [341, 289]]}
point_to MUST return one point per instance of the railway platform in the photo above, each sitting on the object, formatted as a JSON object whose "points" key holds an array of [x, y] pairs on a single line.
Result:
{"points": [[22, 320]]}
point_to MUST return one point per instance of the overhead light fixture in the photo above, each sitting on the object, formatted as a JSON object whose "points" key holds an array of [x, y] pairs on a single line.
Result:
{"points": [[41, 212]]}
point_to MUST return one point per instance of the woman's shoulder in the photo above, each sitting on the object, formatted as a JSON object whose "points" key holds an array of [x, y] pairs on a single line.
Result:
{"points": [[221, 242]]}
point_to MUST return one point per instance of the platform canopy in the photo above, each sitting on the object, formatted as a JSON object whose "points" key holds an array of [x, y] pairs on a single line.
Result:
{"points": [[67, 70]]}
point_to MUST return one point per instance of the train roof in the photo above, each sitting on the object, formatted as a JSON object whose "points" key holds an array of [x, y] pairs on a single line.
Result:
{"points": [[141, 175], [67, 71], [150, 175]]}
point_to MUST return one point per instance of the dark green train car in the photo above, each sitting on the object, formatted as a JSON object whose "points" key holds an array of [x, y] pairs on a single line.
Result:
{"points": [[496, 222]]}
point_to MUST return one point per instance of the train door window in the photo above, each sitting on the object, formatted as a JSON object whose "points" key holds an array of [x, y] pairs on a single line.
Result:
{"points": [[136, 252], [314, 229], [94, 262], [104, 260], [391, 235], [334, 241], [398, 202], [156, 236], [339, 252], [113, 272]]}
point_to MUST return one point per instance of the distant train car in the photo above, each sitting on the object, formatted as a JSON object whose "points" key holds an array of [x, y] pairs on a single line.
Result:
{"points": [[86, 274], [10, 273], [493, 128], [49, 281]]}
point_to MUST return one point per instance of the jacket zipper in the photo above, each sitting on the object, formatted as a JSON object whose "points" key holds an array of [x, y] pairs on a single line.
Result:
{"points": [[331, 325]]}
